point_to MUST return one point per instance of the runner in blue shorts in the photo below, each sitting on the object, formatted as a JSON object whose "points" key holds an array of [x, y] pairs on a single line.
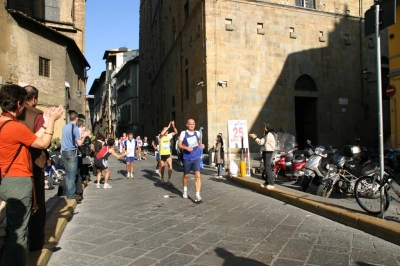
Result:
{"points": [[130, 146], [190, 144]]}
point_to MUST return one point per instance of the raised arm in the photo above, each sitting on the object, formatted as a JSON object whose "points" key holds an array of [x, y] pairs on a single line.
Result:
{"points": [[172, 123]]}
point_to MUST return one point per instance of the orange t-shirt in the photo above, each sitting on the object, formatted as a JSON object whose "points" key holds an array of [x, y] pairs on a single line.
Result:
{"points": [[12, 135]]}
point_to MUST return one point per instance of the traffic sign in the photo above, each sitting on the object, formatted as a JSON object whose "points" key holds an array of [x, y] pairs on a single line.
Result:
{"points": [[387, 16], [390, 90]]}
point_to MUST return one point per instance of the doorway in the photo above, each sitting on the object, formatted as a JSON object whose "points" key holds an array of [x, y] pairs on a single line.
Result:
{"points": [[305, 120]]}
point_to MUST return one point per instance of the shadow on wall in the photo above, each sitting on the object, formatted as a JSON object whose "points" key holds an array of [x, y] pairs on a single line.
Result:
{"points": [[319, 94]]}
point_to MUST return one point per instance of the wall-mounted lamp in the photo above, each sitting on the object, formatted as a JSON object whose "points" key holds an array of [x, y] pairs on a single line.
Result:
{"points": [[78, 93], [221, 83], [367, 75]]}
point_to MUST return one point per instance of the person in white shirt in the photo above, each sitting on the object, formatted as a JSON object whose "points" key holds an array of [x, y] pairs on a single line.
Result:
{"points": [[130, 148], [116, 145], [145, 148], [139, 148]]}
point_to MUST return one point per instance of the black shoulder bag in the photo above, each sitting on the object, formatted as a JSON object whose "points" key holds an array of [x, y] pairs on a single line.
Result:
{"points": [[2, 175]]}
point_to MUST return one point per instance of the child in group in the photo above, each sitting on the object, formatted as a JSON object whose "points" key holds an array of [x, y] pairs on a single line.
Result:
{"points": [[116, 146], [101, 162], [139, 148], [145, 148]]}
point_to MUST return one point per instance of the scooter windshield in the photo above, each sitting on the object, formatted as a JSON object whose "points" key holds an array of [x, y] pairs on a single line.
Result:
{"points": [[285, 142]]}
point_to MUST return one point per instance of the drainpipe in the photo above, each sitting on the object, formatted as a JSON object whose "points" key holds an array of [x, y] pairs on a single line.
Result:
{"points": [[361, 51]]}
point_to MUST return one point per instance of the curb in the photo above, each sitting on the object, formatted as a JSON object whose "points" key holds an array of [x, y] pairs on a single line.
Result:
{"points": [[55, 225], [381, 228]]}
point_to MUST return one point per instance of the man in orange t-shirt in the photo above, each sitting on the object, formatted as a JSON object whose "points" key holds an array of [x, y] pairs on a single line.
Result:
{"points": [[16, 187]]}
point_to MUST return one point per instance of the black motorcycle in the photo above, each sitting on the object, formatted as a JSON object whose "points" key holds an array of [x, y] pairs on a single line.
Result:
{"points": [[345, 170]]}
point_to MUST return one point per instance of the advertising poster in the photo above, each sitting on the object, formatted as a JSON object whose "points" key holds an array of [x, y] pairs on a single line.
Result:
{"points": [[237, 134]]}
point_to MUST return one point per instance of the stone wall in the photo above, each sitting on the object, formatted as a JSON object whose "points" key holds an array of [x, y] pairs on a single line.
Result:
{"points": [[260, 48]]}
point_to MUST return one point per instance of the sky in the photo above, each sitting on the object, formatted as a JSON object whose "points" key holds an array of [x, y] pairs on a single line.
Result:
{"points": [[109, 25]]}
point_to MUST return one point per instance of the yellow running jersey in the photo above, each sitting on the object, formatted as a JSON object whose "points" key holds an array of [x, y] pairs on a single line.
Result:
{"points": [[165, 145]]}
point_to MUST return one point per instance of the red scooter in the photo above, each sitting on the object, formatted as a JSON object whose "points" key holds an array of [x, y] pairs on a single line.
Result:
{"points": [[284, 162]]}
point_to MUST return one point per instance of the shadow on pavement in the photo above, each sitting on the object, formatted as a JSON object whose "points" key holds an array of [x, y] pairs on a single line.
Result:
{"points": [[152, 176], [230, 259]]}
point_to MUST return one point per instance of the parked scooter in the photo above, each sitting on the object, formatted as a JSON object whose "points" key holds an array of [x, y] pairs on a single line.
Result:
{"points": [[344, 171], [392, 157], [315, 168], [54, 172], [285, 162]]}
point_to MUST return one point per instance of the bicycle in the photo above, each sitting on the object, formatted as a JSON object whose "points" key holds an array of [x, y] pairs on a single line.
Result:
{"points": [[367, 192]]}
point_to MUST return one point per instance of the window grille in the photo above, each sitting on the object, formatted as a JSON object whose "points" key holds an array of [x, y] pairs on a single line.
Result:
{"points": [[305, 3], [305, 83], [44, 67]]}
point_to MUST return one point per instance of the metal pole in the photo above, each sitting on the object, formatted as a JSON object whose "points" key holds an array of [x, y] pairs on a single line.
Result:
{"points": [[380, 113]]}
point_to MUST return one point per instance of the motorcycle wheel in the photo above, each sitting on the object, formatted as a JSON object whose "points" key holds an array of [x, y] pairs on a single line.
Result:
{"points": [[48, 183], [367, 195], [325, 190], [305, 182], [57, 176]]}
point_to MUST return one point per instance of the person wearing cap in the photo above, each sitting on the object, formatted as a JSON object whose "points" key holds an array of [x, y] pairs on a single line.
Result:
{"points": [[71, 139], [267, 143]]}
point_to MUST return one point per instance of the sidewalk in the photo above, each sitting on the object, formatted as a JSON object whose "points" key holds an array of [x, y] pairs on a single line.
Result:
{"points": [[338, 207], [342, 210]]}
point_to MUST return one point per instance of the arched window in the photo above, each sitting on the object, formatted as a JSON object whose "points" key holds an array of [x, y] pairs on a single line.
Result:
{"points": [[305, 83]]}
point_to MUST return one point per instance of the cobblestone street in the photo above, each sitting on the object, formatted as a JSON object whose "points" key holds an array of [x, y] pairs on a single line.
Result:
{"points": [[135, 223]]}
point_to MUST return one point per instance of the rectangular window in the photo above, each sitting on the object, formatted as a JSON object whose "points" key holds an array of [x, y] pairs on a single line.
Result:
{"points": [[305, 3], [52, 10], [186, 7], [44, 67], [187, 83]]}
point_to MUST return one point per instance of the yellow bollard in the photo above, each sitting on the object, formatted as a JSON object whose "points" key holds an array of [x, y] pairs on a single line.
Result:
{"points": [[242, 168]]}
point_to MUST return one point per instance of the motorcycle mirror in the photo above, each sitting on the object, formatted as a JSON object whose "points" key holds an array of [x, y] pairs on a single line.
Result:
{"points": [[308, 141]]}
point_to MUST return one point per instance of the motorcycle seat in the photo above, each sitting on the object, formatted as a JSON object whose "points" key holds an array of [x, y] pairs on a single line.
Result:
{"points": [[298, 160], [368, 170]]}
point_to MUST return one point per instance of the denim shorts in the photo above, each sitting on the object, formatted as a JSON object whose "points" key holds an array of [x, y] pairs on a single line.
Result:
{"points": [[187, 166]]}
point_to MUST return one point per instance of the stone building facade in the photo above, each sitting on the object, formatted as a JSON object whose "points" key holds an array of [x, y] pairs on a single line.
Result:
{"points": [[43, 45], [126, 92], [297, 64], [394, 74]]}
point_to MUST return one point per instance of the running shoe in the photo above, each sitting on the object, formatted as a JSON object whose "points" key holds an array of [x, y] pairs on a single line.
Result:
{"points": [[185, 196], [198, 199], [106, 185]]}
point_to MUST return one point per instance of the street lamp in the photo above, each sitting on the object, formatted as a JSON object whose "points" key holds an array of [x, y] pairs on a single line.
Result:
{"points": [[367, 75]]}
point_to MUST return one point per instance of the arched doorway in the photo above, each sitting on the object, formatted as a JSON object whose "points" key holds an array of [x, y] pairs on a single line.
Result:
{"points": [[305, 112]]}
